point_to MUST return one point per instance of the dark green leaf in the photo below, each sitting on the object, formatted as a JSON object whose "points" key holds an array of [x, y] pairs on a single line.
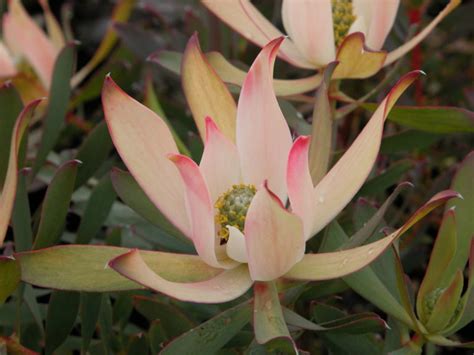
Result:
{"points": [[463, 183], [213, 334], [33, 306], [56, 205], [10, 108], [431, 119], [21, 218], [97, 209], [62, 313], [131, 193], [341, 343], [57, 104], [138, 344], [366, 282], [407, 141], [93, 152], [89, 312], [173, 321], [389, 177]]}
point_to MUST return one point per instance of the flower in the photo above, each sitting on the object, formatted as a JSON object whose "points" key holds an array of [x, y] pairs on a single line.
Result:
{"points": [[233, 205], [25, 42], [321, 31]]}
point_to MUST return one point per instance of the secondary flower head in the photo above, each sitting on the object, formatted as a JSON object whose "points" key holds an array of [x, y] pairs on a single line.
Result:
{"points": [[26, 45], [249, 205], [321, 31]]}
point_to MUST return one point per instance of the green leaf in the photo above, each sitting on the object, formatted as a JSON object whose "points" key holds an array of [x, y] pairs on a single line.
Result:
{"points": [[389, 177], [294, 118], [269, 322], [10, 108], [436, 274], [151, 101], [9, 277], [131, 193], [87, 268], [62, 313], [340, 343], [156, 336], [138, 344], [407, 141], [30, 300], [57, 104], [173, 321], [369, 227], [93, 152], [431, 119], [97, 209], [89, 313], [366, 282], [466, 312], [352, 324], [446, 304], [21, 218], [106, 323], [123, 307], [56, 205], [212, 335], [463, 183]]}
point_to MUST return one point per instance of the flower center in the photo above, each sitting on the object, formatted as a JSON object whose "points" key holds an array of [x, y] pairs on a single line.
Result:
{"points": [[342, 17], [232, 207]]}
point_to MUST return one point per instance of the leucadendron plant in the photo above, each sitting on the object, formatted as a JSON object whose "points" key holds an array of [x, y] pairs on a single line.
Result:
{"points": [[322, 31], [248, 207], [443, 304]]}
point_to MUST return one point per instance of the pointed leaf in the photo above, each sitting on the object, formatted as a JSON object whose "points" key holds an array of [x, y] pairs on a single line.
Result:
{"points": [[369, 227], [352, 324], [87, 269], [463, 183], [62, 313], [366, 282], [445, 306], [131, 193], [7, 197], [324, 266], [205, 92], [443, 251], [435, 119], [56, 205], [93, 151], [10, 108], [212, 335], [9, 277], [466, 312], [57, 103], [21, 218], [89, 313], [97, 209], [173, 321]]}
